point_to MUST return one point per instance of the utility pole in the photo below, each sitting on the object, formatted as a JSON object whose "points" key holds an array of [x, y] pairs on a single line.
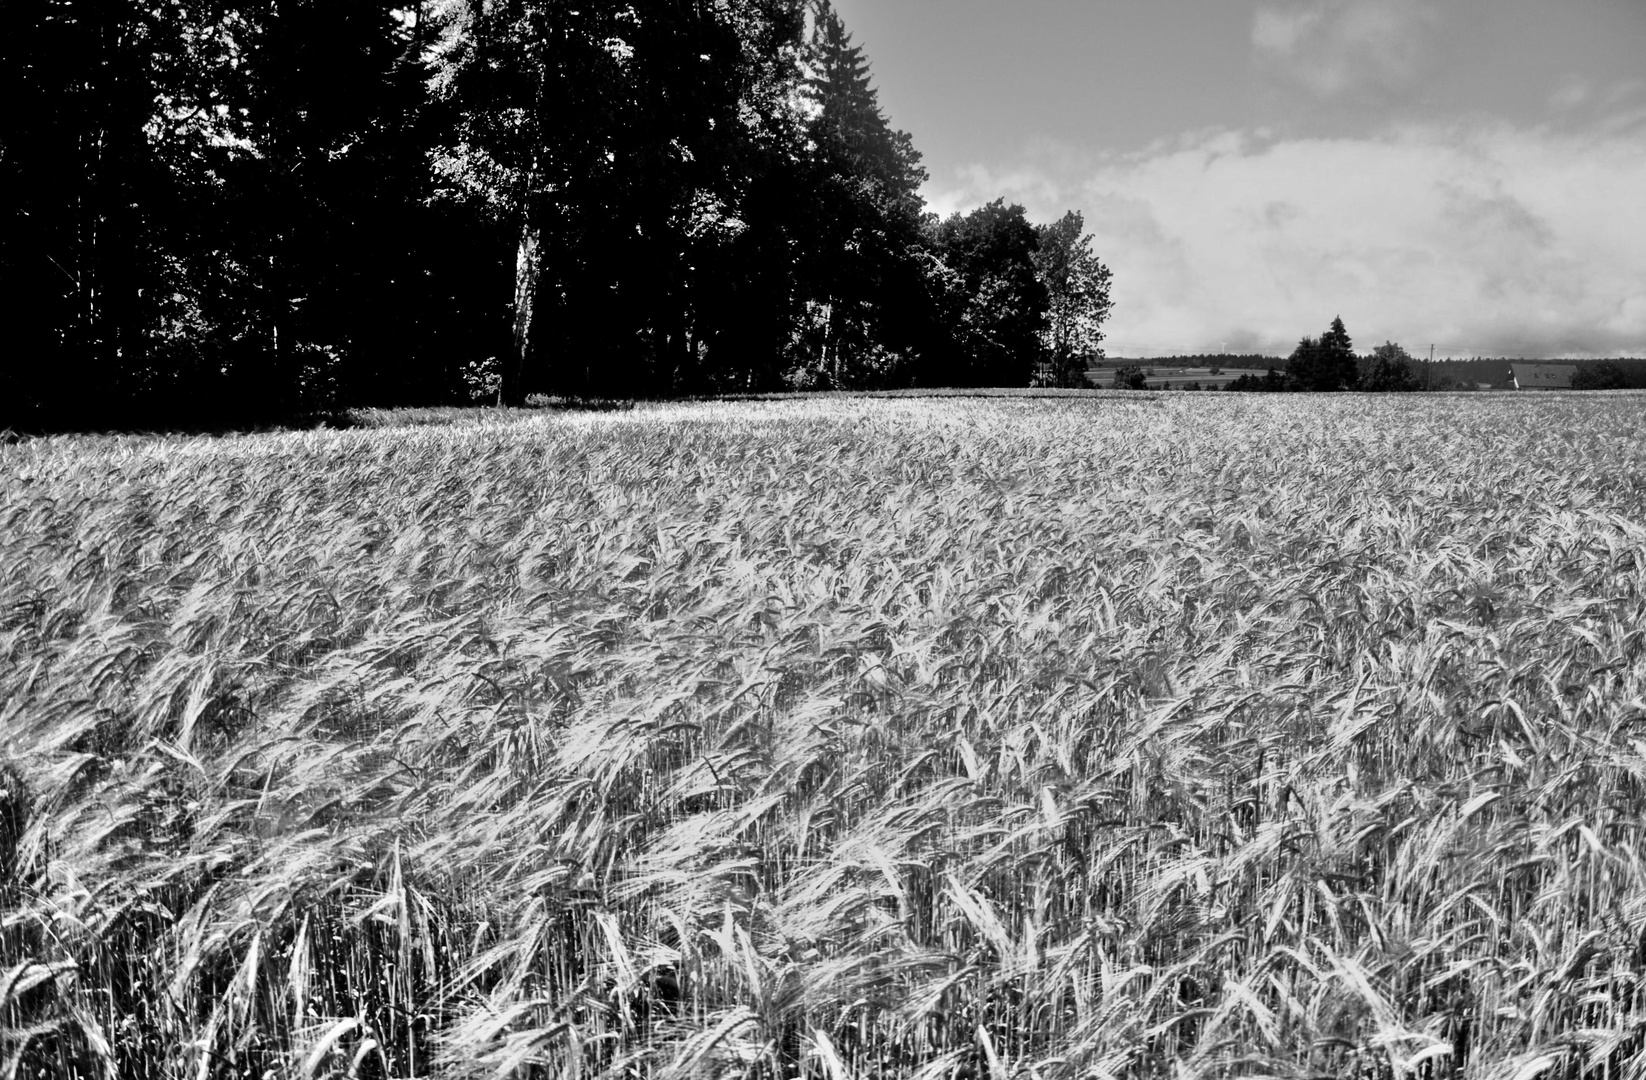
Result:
{"points": [[1429, 368]]}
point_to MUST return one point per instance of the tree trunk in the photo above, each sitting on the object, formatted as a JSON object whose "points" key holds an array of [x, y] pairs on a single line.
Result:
{"points": [[528, 271]]}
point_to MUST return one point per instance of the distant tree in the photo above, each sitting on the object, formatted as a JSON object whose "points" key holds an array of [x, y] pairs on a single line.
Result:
{"points": [[1339, 368], [1077, 288], [990, 298], [1303, 366], [1273, 382], [1326, 363], [1130, 377], [1389, 368], [1603, 375]]}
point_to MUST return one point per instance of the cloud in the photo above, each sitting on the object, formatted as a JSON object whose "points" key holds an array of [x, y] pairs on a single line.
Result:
{"points": [[1278, 32], [1336, 48], [1618, 107], [1484, 238]]}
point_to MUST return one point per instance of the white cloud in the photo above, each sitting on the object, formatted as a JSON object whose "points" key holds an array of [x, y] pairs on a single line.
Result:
{"points": [[1482, 238]]}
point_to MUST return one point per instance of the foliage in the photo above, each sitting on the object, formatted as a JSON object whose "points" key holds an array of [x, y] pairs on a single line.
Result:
{"points": [[862, 314], [1326, 363], [1601, 375], [484, 379], [1077, 289], [1296, 738], [617, 146], [1271, 382], [1218, 360], [992, 301], [1130, 377], [230, 211], [1389, 368]]}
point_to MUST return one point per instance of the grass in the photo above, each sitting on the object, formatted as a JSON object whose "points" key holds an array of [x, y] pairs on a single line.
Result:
{"points": [[1106, 736]]}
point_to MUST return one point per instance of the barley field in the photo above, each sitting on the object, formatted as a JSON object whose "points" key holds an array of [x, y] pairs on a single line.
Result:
{"points": [[1111, 736]]}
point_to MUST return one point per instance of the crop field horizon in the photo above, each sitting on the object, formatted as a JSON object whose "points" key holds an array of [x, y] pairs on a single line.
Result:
{"points": [[1194, 735]]}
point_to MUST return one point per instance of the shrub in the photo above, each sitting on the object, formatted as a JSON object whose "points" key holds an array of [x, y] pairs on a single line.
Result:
{"points": [[1130, 377]]}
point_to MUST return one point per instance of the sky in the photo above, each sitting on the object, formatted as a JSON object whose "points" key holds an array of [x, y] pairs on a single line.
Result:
{"points": [[1467, 174]]}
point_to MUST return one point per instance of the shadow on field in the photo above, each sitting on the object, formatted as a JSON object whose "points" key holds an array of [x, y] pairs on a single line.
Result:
{"points": [[182, 421], [246, 422]]}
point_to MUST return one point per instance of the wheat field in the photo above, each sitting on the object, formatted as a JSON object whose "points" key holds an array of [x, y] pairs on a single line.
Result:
{"points": [[1112, 737]]}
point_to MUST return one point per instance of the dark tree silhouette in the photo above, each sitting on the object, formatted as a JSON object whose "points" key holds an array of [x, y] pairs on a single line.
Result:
{"points": [[993, 303], [226, 212], [1388, 369], [1326, 363]]}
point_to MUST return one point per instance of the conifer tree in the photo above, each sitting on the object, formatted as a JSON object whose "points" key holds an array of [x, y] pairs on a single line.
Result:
{"points": [[1326, 363], [849, 128], [859, 278], [1337, 369]]}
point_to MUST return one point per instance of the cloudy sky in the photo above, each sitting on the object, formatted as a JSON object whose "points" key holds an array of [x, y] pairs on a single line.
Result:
{"points": [[1466, 173]]}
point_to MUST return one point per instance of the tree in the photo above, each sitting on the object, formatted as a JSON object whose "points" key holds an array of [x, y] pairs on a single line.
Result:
{"points": [[851, 131], [1601, 375], [277, 205], [1130, 377], [1272, 382], [1388, 369], [611, 140], [80, 252], [231, 195], [862, 313], [326, 202], [1326, 363], [1303, 366], [1077, 289], [1338, 369], [991, 300]]}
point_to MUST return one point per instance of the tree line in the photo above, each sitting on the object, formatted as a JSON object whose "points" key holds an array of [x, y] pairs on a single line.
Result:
{"points": [[286, 205], [1328, 363]]}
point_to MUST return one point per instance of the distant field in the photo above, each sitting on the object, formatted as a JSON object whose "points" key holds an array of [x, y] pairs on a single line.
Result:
{"points": [[1093, 736], [1178, 378]]}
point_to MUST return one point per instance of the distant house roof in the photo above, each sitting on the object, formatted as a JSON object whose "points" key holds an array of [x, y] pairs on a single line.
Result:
{"points": [[1541, 376]]}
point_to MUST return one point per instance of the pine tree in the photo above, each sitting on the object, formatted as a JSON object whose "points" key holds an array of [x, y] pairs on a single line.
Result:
{"points": [[1326, 363], [848, 127], [859, 281], [1337, 369]]}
